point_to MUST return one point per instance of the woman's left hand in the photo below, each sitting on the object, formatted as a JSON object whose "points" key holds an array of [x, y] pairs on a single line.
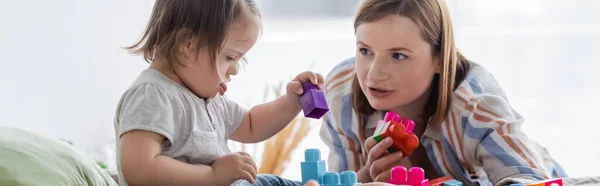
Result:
{"points": [[295, 85]]}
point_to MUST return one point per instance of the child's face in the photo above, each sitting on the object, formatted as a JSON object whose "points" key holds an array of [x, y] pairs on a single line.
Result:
{"points": [[394, 65], [200, 77]]}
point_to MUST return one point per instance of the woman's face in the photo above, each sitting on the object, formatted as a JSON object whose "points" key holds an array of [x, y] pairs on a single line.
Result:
{"points": [[394, 65]]}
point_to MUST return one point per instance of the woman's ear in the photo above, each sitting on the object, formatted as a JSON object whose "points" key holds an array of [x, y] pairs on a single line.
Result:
{"points": [[437, 64]]}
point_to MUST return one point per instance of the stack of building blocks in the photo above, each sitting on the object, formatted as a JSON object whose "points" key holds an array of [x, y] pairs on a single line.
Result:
{"points": [[313, 102], [313, 168], [550, 182], [400, 130], [346, 178], [413, 177]]}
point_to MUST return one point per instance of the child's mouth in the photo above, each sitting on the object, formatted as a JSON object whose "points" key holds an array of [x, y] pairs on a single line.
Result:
{"points": [[222, 88]]}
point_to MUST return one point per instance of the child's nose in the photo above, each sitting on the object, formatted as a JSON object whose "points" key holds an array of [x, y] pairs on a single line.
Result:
{"points": [[233, 70]]}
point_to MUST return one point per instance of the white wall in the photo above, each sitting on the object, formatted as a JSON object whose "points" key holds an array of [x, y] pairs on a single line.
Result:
{"points": [[62, 71]]}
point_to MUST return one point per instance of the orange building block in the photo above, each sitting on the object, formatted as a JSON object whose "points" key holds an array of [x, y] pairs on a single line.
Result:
{"points": [[400, 130], [439, 181]]}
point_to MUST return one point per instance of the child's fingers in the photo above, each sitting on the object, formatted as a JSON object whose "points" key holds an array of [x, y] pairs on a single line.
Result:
{"points": [[308, 76], [312, 183], [250, 169], [243, 153], [296, 87], [247, 176], [320, 80], [249, 161]]}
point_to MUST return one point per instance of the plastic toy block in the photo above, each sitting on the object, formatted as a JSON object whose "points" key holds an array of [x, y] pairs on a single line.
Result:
{"points": [[550, 182], [439, 181], [313, 168], [347, 178], [414, 177], [314, 104], [452, 182], [400, 130]]}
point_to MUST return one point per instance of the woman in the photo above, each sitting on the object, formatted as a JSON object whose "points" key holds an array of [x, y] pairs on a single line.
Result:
{"points": [[407, 62]]}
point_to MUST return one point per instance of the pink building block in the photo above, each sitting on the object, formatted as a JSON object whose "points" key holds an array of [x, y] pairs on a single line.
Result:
{"points": [[391, 116], [414, 177], [550, 182]]}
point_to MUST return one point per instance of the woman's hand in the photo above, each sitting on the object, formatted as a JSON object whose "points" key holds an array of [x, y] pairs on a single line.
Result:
{"points": [[379, 161]]}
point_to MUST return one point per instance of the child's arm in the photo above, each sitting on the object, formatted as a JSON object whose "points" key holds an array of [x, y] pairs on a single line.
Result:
{"points": [[142, 164], [265, 120], [493, 139]]}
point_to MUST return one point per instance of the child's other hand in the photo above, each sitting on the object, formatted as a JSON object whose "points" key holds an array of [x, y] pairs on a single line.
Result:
{"points": [[295, 85], [235, 166]]}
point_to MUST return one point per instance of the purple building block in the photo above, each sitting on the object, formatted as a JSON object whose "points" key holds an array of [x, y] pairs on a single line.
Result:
{"points": [[313, 101]]}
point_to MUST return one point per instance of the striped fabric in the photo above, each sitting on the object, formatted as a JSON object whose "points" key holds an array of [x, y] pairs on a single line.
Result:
{"points": [[480, 141]]}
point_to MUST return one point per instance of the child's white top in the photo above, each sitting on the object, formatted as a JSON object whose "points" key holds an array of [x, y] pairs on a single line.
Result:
{"points": [[196, 129]]}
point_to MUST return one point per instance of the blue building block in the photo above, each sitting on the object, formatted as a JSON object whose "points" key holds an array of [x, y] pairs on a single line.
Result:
{"points": [[313, 168], [452, 183], [347, 178]]}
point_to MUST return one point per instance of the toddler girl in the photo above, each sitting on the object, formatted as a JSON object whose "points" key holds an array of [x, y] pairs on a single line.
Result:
{"points": [[174, 122]]}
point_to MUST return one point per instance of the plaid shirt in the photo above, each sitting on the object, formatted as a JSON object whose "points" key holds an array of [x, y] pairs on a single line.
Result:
{"points": [[479, 142]]}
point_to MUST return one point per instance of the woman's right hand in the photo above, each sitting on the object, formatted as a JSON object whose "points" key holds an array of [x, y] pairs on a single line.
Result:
{"points": [[379, 161]]}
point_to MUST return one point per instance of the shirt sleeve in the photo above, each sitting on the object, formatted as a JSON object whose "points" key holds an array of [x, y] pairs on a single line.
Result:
{"points": [[506, 154], [340, 157], [234, 113], [150, 108], [344, 150]]}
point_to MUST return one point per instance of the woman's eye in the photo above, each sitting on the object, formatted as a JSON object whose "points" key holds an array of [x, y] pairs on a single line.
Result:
{"points": [[365, 51], [398, 56]]}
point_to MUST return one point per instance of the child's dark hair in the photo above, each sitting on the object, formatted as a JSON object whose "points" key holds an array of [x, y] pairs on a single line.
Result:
{"points": [[174, 21]]}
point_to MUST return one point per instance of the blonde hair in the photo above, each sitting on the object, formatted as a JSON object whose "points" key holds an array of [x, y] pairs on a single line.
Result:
{"points": [[433, 17]]}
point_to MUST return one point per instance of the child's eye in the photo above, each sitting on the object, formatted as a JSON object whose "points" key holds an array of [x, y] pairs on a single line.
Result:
{"points": [[230, 58], [398, 56], [365, 51]]}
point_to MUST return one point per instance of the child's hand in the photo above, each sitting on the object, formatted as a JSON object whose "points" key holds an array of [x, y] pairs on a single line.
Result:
{"points": [[295, 85], [235, 166]]}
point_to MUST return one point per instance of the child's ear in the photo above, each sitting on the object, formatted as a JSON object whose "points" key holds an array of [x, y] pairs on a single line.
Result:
{"points": [[186, 44]]}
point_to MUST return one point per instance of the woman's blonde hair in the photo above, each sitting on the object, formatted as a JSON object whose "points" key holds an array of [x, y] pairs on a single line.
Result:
{"points": [[433, 17]]}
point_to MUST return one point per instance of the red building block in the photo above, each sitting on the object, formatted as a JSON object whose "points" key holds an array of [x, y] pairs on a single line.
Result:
{"points": [[400, 130], [414, 177], [439, 181]]}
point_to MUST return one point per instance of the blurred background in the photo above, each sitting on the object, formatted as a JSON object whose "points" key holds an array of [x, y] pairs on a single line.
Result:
{"points": [[62, 70]]}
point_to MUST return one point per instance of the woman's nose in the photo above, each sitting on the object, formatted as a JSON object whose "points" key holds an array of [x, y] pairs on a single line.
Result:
{"points": [[378, 71]]}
